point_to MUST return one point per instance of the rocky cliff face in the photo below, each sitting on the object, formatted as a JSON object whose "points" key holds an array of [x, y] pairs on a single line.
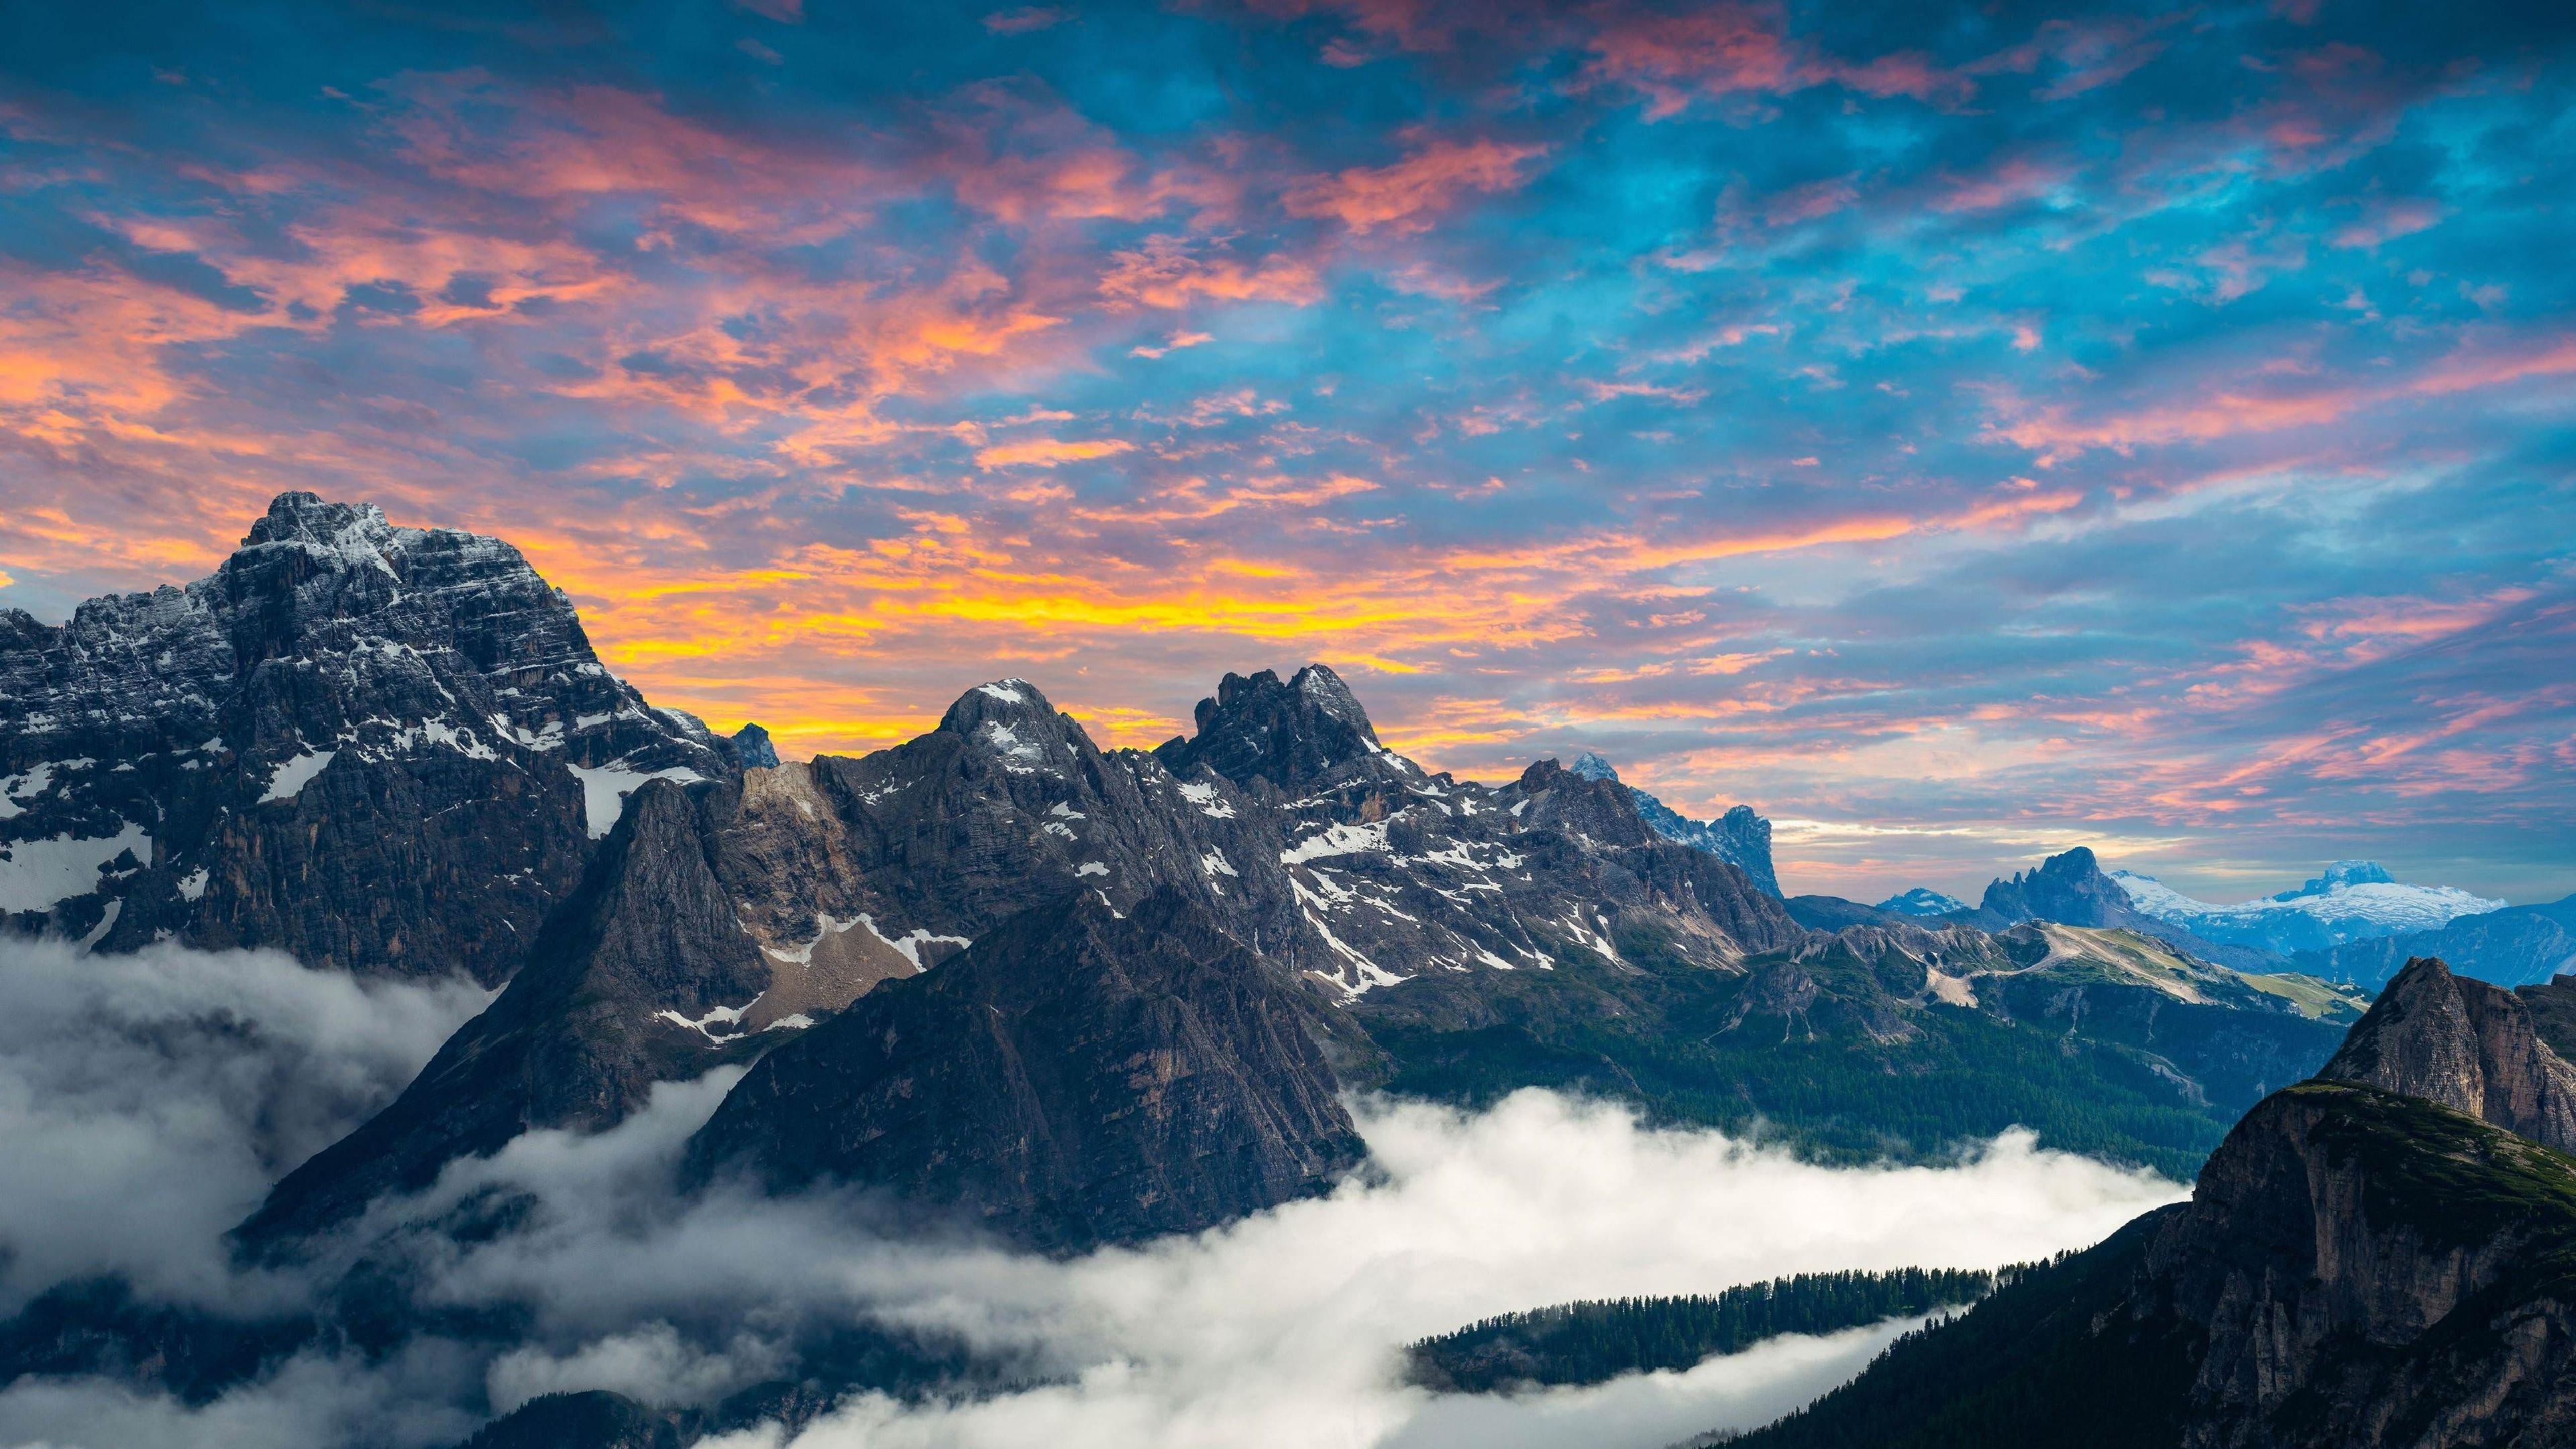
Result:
{"points": [[2357, 1267], [2466, 1045], [383, 749], [2370, 1269], [1079, 1076]]}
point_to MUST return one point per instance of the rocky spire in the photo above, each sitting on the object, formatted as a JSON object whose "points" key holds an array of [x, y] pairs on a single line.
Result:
{"points": [[2466, 1045]]}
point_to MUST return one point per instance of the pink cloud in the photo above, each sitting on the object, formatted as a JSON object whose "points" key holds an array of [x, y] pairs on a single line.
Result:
{"points": [[1406, 196], [1026, 18]]}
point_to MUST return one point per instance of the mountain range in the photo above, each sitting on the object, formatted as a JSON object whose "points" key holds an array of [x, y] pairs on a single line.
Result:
{"points": [[2354, 900], [1012, 984]]}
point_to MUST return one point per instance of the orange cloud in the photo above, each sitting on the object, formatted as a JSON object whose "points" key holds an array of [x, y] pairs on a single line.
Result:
{"points": [[1048, 452]]}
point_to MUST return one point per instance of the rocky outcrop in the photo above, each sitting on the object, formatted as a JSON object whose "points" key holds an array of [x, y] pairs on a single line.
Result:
{"points": [[1077, 1077], [382, 749], [2069, 888], [1275, 738], [2466, 1045], [2357, 1267], [2371, 1269]]}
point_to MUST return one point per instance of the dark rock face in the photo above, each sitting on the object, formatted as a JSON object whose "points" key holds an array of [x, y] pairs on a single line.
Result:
{"points": [[361, 744], [2371, 1269], [752, 748], [2357, 1267], [1077, 1077], [2466, 1045], [2069, 889], [619, 993]]}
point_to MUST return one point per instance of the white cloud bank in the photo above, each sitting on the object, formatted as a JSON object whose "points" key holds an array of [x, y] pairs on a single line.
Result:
{"points": [[1282, 1330], [148, 1101]]}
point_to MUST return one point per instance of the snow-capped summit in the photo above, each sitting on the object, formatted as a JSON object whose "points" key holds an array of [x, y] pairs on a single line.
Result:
{"points": [[2355, 900], [2340, 874], [1922, 901]]}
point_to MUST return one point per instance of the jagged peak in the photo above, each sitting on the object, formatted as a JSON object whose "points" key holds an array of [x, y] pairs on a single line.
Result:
{"points": [[1592, 767], [753, 749], [1258, 726], [2466, 1045], [301, 517]]}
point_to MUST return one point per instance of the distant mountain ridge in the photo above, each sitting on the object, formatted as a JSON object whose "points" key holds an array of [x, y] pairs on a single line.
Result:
{"points": [[1739, 837], [2353, 900], [2515, 946], [1923, 901]]}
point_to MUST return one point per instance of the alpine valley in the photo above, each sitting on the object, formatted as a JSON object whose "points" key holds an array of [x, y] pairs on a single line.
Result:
{"points": [[1000, 987]]}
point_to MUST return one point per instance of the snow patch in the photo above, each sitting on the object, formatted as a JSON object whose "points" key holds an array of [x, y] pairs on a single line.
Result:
{"points": [[604, 789], [41, 874], [716, 1016], [1337, 840], [910, 944], [295, 774], [1090, 867], [1214, 863], [1006, 690], [192, 886], [1205, 797]]}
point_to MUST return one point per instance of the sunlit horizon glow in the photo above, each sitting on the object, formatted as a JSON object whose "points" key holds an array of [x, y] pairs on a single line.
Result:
{"points": [[1956, 432]]}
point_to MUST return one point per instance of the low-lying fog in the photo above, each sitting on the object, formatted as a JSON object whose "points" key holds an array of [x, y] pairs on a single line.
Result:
{"points": [[145, 1103]]}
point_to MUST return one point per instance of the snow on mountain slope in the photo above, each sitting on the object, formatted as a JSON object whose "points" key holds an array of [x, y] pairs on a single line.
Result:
{"points": [[2355, 900], [1922, 901]]}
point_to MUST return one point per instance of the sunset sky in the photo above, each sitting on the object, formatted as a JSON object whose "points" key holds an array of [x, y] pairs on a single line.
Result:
{"points": [[1957, 431]]}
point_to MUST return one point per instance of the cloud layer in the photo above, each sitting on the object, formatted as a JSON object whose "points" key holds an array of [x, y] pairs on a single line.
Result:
{"points": [[148, 1101], [1281, 1329], [2145, 424]]}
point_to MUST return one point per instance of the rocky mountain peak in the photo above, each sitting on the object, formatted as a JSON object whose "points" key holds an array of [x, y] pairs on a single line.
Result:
{"points": [[2341, 874], [753, 749], [2467, 1045], [1289, 733], [300, 517], [1592, 767], [1003, 701], [1597, 809], [2068, 888]]}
